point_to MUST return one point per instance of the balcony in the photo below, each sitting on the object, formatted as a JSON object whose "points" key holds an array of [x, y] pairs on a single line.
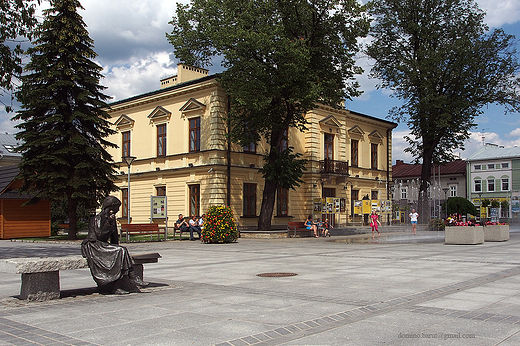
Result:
{"points": [[333, 166]]}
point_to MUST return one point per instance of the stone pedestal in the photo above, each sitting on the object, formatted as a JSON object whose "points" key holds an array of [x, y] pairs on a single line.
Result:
{"points": [[496, 233], [464, 235], [40, 286]]}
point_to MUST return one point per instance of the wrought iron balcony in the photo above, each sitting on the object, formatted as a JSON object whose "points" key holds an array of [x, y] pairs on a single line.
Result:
{"points": [[333, 166]]}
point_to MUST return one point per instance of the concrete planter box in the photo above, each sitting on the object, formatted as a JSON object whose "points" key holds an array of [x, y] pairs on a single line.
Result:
{"points": [[464, 235], [496, 233]]}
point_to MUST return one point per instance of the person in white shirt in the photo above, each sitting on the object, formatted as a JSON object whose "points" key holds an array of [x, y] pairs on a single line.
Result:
{"points": [[194, 226], [413, 220]]}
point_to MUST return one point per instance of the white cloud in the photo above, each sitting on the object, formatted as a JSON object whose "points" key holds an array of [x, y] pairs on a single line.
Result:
{"points": [[515, 133], [140, 75], [500, 12]]}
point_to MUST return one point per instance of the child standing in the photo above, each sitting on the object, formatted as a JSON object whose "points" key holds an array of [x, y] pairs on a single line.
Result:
{"points": [[374, 222]]}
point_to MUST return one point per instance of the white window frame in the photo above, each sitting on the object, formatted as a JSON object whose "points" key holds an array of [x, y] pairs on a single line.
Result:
{"points": [[506, 181], [477, 182], [477, 167], [491, 166], [504, 165], [404, 192], [453, 190], [491, 183]]}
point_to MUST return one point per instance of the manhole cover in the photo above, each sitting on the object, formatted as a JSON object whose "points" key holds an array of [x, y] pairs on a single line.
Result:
{"points": [[276, 275]]}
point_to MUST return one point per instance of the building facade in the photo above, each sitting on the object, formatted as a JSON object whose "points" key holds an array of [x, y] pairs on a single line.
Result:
{"points": [[447, 181], [494, 174], [184, 164]]}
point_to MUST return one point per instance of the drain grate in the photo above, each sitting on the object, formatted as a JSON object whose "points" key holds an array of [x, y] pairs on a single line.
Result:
{"points": [[276, 275]]}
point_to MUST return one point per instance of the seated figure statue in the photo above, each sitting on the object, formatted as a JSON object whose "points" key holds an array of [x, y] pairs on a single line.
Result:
{"points": [[109, 263]]}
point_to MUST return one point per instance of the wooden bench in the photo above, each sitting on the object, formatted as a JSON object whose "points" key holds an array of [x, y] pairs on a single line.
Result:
{"points": [[41, 275], [298, 228], [143, 229]]}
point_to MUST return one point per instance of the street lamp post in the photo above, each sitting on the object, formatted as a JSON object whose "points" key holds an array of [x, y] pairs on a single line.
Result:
{"points": [[128, 160], [445, 202]]}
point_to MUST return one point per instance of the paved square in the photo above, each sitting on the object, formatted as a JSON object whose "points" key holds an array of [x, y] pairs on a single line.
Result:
{"points": [[396, 290]]}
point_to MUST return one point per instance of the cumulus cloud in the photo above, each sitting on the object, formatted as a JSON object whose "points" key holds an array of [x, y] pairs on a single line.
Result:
{"points": [[140, 75]]}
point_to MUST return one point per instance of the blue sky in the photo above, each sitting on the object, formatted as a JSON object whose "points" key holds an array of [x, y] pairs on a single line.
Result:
{"points": [[129, 38]]}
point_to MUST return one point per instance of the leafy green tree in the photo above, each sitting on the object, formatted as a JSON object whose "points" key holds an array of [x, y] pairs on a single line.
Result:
{"points": [[281, 58], [460, 205], [440, 59], [64, 124], [16, 24]]}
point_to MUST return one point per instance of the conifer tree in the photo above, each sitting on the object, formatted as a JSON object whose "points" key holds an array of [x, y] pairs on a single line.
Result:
{"points": [[64, 120]]}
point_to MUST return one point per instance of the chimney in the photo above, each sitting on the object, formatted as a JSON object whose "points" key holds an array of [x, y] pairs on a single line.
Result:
{"points": [[185, 73]]}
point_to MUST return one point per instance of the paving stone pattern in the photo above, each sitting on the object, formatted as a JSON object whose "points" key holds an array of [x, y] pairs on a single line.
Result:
{"points": [[396, 290]]}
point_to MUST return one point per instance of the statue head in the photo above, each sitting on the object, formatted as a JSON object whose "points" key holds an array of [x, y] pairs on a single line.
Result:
{"points": [[112, 203]]}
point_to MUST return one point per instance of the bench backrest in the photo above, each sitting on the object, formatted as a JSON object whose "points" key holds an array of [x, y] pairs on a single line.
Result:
{"points": [[296, 224], [140, 227]]}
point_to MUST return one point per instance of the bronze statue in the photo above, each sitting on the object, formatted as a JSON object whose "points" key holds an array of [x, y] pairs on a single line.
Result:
{"points": [[109, 263]]}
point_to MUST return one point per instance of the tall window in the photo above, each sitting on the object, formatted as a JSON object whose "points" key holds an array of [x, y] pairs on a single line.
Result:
{"points": [[161, 140], [374, 195], [478, 185], [373, 155], [404, 192], [284, 142], [282, 199], [354, 153], [195, 134], [249, 199], [355, 195], [124, 202], [453, 190], [329, 146], [491, 184], [505, 184], [126, 144], [194, 200]]}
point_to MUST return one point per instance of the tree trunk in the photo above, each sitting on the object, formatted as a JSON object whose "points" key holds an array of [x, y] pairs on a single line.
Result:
{"points": [[266, 210], [72, 207], [424, 208]]}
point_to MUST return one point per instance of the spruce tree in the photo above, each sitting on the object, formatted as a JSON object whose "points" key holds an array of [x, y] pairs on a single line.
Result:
{"points": [[64, 120]]}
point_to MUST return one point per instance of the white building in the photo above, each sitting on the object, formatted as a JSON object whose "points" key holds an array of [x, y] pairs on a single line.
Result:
{"points": [[494, 174]]}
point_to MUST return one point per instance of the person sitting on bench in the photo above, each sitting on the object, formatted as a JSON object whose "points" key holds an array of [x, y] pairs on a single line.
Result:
{"points": [[194, 227], [181, 225]]}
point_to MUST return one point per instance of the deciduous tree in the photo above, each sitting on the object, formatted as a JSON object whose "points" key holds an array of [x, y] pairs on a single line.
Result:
{"points": [[439, 57], [16, 24], [281, 59]]}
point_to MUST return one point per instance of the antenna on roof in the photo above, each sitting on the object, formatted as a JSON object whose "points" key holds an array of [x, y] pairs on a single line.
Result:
{"points": [[483, 136]]}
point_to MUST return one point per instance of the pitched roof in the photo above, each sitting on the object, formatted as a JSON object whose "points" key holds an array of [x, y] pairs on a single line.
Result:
{"points": [[7, 176], [408, 170], [7, 143], [491, 151]]}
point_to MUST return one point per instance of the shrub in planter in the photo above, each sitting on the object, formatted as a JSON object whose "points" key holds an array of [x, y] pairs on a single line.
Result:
{"points": [[219, 225], [436, 225]]}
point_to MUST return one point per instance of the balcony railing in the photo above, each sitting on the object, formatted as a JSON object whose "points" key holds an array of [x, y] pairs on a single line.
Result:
{"points": [[333, 166]]}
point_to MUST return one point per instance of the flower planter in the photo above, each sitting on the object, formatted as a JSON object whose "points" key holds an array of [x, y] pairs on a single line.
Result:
{"points": [[464, 235], [496, 232]]}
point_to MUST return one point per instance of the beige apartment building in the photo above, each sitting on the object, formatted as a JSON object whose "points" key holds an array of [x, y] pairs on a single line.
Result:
{"points": [[183, 163]]}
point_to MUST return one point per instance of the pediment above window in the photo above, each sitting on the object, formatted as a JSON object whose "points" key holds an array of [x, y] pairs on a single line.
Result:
{"points": [[192, 106], [159, 114], [376, 137], [330, 124], [356, 132], [124, 122]]}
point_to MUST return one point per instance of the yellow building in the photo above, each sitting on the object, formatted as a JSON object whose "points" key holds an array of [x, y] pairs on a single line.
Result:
{"points": [[177, 135]]}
